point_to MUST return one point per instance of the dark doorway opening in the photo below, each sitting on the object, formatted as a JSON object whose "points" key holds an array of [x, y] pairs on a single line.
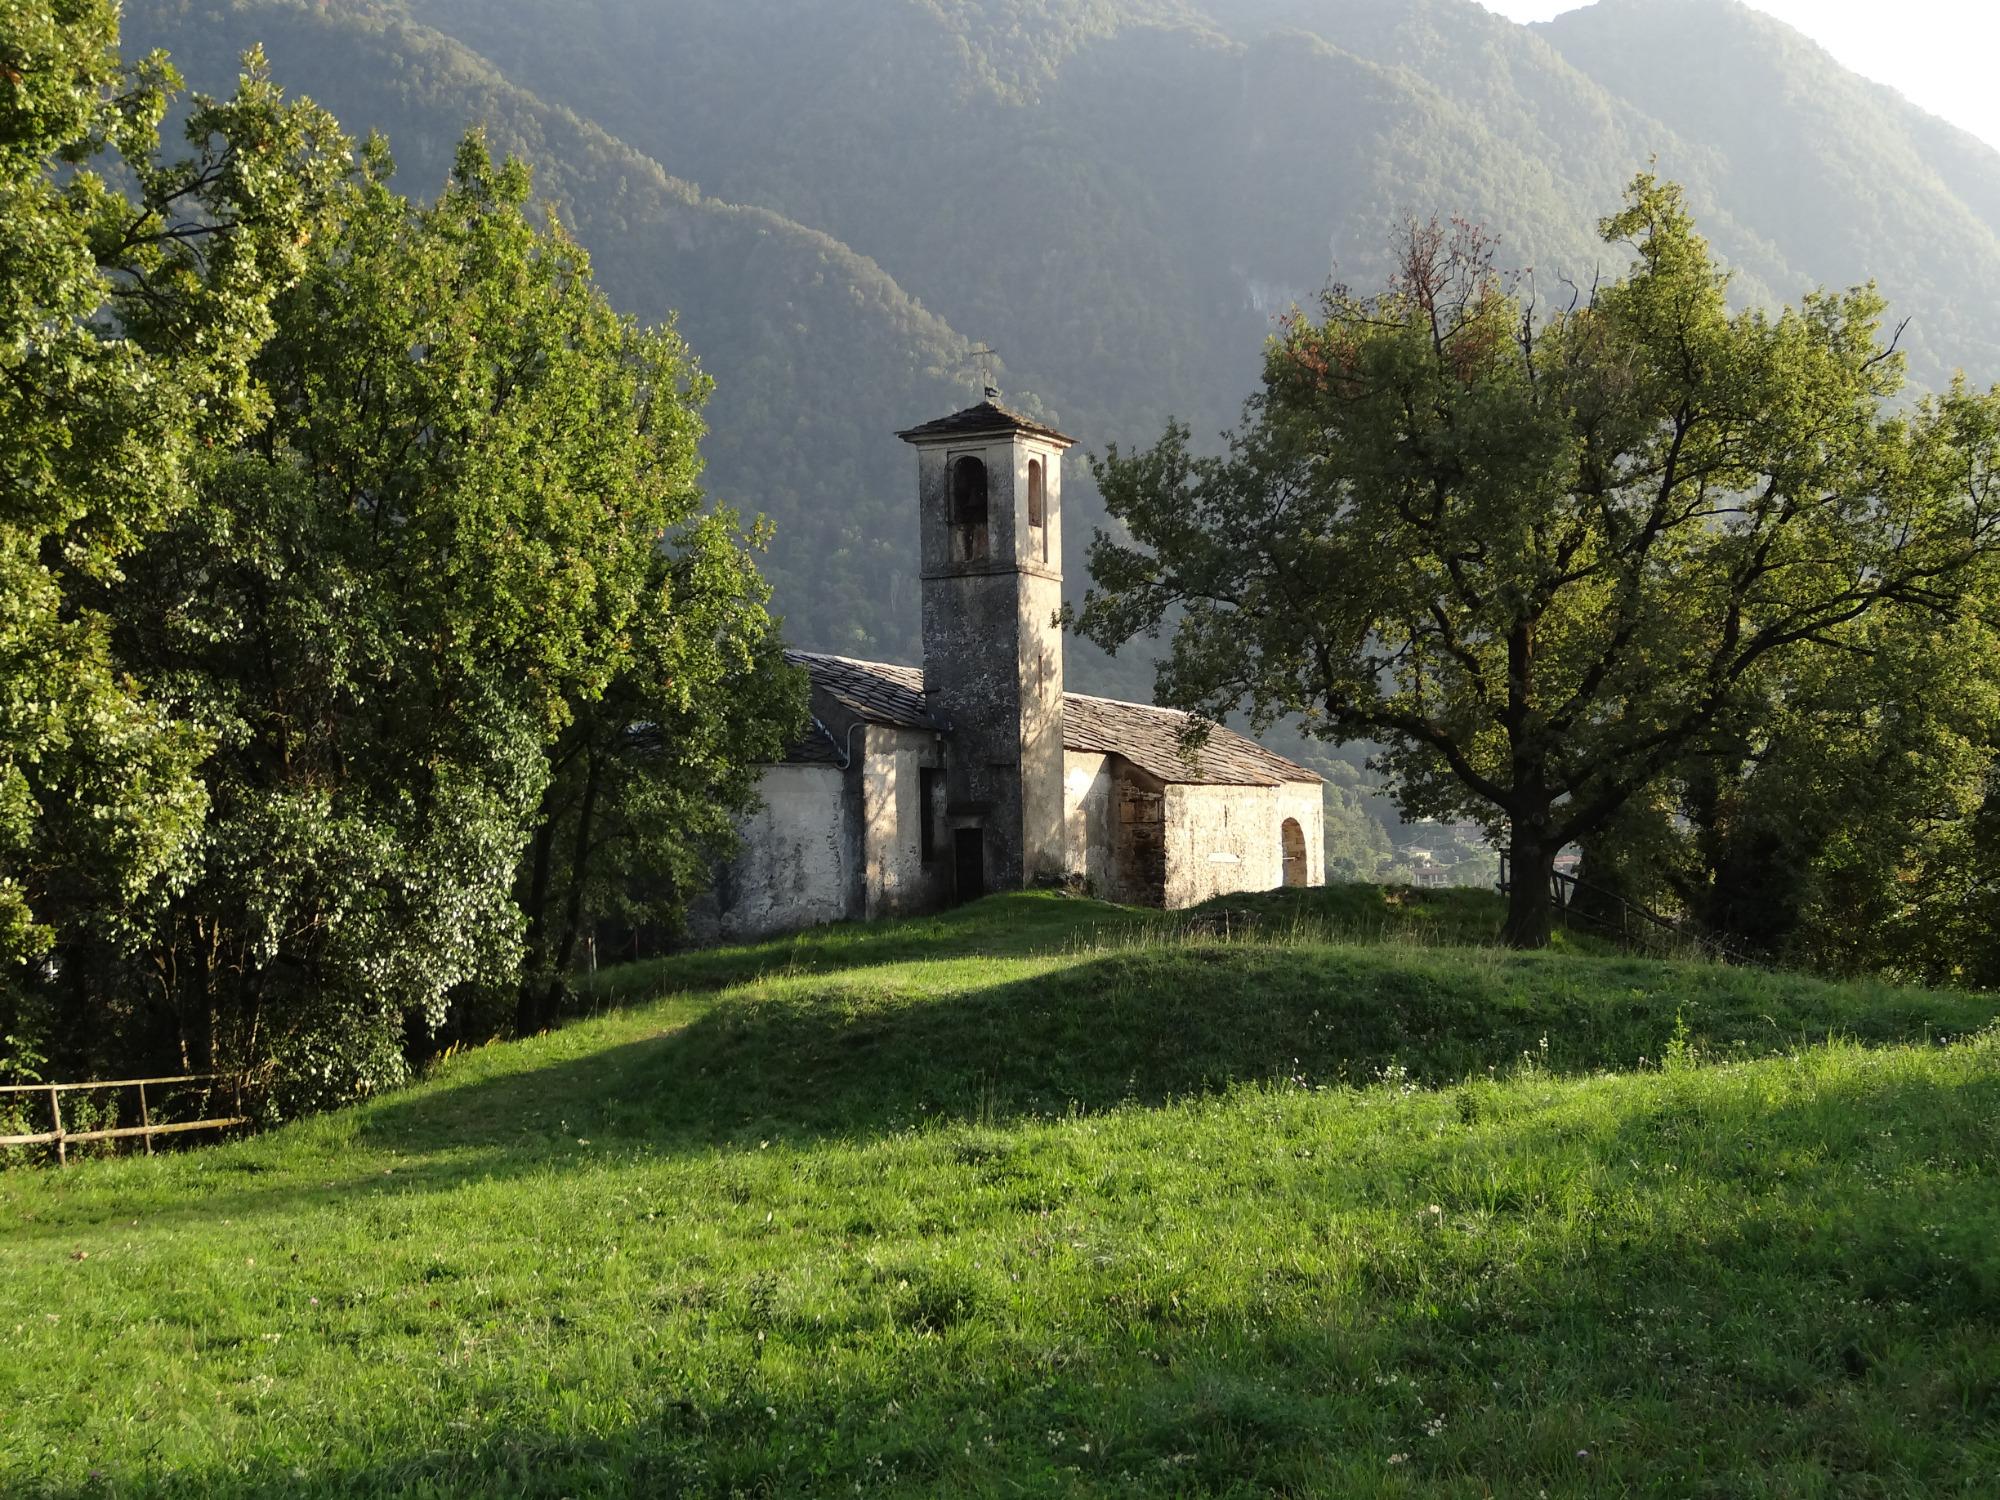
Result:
{"points": [[969, 854]]}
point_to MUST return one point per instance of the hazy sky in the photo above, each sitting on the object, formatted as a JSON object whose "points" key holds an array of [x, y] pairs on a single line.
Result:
{"points": [[1941, 54]]}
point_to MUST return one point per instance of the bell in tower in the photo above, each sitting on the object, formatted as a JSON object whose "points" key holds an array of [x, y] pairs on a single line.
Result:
{"points": [[989, 494]]}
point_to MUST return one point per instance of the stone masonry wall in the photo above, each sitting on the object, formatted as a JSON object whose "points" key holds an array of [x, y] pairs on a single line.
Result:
{"points": [[993, 655]]}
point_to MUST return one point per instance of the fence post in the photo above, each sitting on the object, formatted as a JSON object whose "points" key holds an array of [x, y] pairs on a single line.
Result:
{"points": [[55, 1109], [145, 1121]]}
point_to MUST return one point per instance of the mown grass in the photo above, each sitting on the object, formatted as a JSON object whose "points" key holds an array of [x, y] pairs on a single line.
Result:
{"points": [[1047, 1198]]}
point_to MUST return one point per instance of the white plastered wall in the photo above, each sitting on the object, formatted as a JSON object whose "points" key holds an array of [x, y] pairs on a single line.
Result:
{"points": [[1306, 801], [899, 875], [1225, 839], [1087, 819], [794, 866]]}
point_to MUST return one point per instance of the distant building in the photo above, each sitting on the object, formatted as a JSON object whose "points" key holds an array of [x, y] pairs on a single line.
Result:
{"points": [[918, 787], [1427, 871]]}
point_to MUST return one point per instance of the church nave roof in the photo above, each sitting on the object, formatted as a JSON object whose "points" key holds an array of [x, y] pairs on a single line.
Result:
{"points": [[887, 693]]}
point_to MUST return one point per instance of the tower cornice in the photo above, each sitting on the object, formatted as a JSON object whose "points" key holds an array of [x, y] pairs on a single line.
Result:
{"points": [[987, 419]]}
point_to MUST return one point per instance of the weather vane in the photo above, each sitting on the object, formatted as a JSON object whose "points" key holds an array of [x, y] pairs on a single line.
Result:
{"points": [[986, 357]]}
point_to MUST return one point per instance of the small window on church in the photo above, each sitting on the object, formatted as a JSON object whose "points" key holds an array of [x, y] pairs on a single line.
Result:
{"points": [[1038, 510], [930, 793], [968, 510]]}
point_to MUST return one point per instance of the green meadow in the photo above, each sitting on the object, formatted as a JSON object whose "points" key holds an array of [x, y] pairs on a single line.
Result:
{"points": [[1318, 1196]]}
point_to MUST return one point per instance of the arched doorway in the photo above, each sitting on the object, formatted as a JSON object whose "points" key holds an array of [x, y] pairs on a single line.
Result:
{"points": [[1294, 837]]}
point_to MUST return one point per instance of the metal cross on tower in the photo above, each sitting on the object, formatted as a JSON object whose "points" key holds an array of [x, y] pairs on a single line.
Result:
{"points": [[986, 357]]}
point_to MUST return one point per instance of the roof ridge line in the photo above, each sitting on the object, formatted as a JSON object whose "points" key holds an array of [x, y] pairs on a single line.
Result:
{"points": [[859, 661], [1158, 708]]}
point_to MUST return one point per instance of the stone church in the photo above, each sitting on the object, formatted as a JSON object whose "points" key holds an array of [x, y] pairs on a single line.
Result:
{"points": [[921, 786]]}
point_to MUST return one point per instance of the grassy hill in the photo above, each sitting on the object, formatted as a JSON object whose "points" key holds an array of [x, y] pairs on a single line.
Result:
{"points": [[1292, 1197]]}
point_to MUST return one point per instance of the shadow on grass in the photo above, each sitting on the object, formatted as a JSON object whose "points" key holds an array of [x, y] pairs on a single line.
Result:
{"points": [[1144, 1026], [1748, 1353], [1015, 925], [1458, 916], [855, 1061], [1028, 923]]}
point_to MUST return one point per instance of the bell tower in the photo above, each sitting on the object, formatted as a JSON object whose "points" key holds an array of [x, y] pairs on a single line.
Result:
{"points": [[989, 496]]}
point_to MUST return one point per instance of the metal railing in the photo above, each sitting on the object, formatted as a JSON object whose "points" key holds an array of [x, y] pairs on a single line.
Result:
{"points": [[144, 1131], [1633, 919]]}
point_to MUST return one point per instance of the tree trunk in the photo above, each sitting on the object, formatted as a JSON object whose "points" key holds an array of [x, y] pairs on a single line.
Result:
{"points": [[527, 1004], [1532, 853], [579, 872], [1531, 868]]}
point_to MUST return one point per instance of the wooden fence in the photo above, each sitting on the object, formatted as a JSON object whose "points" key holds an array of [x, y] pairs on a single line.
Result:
{"points": [[144, 1131]]}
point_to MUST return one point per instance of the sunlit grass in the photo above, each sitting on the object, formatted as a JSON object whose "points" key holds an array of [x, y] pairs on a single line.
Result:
{"points": [[1048, 1198]]}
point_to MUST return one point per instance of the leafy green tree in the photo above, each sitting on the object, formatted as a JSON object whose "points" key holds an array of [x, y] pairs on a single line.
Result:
{"points": [[1967, 897], [1869, 785], [1839, 825], [1543, 557], [1358, 847], [391, 597], [646, 781], [133, 294]]}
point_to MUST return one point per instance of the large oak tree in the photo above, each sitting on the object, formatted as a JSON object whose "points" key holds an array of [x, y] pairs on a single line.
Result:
{"points": [[1537, 548]]}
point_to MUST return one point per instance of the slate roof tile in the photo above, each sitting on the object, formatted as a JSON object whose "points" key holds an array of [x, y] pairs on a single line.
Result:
{"points": [[988, 416], [814, 748], [876, 691], [1149, 737]]}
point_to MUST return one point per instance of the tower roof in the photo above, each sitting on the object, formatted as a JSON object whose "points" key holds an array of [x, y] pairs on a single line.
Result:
{"points": [[989, 417]]}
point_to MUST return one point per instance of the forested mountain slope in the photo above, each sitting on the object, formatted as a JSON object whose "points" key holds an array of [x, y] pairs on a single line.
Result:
{"points": [[1117, 194], [1849, 179], [784, 317]]}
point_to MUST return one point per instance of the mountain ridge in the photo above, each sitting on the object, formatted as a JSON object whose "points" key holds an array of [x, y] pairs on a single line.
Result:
{"points": [[842, 196], [1891, 234]]}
